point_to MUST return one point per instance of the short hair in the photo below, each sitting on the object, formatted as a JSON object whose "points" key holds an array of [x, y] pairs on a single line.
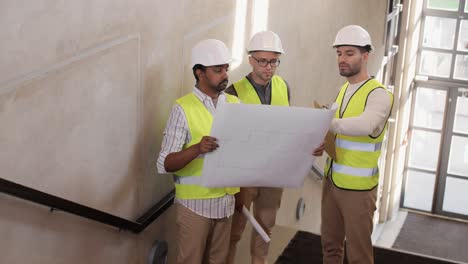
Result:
{"points": [[366, 48], [198, 67], [362, 49]]}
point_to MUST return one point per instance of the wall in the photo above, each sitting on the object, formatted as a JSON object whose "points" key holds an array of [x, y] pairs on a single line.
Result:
{"points": [[86, 88]]}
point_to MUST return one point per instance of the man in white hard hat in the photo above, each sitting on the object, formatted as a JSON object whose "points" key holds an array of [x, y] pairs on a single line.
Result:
{"points": [[350, 184], [261, 86], [203, 215]]}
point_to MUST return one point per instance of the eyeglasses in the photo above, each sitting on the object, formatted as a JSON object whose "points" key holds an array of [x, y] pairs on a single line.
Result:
{"points": [[264, 62]]}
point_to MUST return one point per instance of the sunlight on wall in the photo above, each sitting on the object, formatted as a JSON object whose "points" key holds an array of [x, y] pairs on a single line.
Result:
{"points": [[259, 16], [259, 23], [239, 33]]}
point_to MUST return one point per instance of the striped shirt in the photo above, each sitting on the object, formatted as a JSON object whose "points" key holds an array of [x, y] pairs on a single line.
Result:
{"points": [[177, 134]]}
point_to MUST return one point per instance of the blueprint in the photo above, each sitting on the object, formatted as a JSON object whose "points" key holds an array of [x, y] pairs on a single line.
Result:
{"points": [[263, 145]]}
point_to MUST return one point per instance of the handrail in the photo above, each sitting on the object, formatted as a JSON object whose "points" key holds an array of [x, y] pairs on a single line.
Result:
{"points": [[54, 202]]}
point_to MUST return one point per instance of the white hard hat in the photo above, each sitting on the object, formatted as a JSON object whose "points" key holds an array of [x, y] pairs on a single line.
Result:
{"points": [[210, 52], [353, 35], [265, 41]]}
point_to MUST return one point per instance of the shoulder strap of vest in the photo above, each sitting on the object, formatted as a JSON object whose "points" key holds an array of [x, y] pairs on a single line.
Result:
{"points": [[231, 98], [370, 83], [191, 101], [188, 98], [278, 78], [339, 99], [246, 91], [279, 91]]}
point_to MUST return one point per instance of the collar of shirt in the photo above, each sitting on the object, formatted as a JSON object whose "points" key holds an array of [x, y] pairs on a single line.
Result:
{"points": [[353, 87], [207, 100], [264, 92]]}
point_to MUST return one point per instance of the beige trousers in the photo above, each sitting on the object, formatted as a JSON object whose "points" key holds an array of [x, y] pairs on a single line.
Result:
{"points": [[200, 239], [266, 202], [347, 214]]}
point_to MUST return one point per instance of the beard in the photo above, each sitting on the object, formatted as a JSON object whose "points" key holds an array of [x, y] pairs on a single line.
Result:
{"points": [[221, 86], [350, 70]]}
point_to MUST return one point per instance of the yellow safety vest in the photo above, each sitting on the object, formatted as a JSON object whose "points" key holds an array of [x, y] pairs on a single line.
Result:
{"points": [[187, 180], [246, 92], [356, 164]]}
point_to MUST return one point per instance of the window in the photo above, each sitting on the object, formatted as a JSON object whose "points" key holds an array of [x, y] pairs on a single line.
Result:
{"points": [[444, 43], [436, 170], [450, 5]]}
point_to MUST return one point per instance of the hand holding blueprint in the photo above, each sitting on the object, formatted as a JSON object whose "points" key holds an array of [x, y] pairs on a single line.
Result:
{"points": [[263, 145]]}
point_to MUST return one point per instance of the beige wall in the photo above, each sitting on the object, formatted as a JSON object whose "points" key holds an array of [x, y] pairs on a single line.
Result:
{"points": [[85, 91]]}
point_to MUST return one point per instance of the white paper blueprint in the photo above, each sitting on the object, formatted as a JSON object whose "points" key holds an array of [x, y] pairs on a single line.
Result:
{"points": [[263, 145]]}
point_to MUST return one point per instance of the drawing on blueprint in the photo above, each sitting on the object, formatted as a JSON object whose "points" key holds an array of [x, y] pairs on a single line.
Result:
{"points": [[262, 145]]}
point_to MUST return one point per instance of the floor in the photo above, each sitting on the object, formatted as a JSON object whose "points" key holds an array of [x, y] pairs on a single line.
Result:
{"points": [[305, 248], [384, 236], [434, 236], [280, 238]]}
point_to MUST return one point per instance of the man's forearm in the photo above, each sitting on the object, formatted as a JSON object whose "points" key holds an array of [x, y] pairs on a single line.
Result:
{"points": [[353, 126], [177, 160]]}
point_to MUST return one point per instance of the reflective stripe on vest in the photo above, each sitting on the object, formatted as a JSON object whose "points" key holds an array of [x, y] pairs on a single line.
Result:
{"points": [[356, 164], [360, 146], [358, 172], [187, 180], [248, 95]]}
